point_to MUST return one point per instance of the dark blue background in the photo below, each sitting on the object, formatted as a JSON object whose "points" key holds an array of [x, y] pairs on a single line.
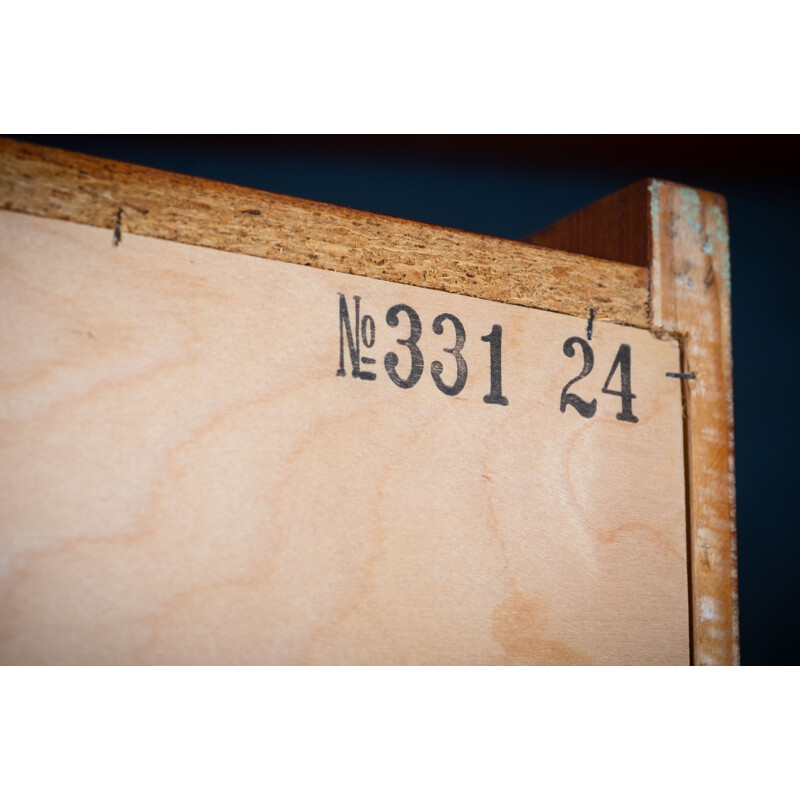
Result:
{"points": [[513, 186]]}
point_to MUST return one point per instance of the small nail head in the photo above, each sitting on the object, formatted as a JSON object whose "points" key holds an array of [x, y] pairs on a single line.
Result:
{"points": [[118, 228]]}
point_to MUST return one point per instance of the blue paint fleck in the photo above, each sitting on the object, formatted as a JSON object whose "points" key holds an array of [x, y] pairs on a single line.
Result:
{"points": [[721, 232]]}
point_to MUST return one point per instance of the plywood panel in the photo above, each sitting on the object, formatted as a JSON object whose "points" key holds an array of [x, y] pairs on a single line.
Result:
{"points": [[185, 478]]}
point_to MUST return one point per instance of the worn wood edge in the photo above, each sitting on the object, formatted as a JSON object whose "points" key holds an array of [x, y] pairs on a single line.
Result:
{"points": [[690, 294], [54, 183], [681, 233]]}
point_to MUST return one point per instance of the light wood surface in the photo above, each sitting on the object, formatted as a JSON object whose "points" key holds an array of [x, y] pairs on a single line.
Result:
{"points": [[53, 183], [184, 478], [681, 234]]}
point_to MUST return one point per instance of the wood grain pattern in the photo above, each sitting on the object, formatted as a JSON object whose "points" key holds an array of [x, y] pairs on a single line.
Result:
{"points": [[52, 183], [684, 234], [185, 479], [615, 227]]}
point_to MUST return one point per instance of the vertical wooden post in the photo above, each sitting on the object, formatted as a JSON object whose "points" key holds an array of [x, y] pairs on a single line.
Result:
{"points": [[690, 295], [681, 234]]}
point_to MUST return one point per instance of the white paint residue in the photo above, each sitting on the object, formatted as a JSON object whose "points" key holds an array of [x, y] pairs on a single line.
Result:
{"points": [[655, 187], [656, 311], [708, 610], [690, 207]]}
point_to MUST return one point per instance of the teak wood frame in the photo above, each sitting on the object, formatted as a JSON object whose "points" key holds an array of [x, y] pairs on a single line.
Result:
{"points": [[654, 255]]}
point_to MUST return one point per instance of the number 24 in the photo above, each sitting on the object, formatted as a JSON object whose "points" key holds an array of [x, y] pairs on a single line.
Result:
{"points": [[621, 362]]}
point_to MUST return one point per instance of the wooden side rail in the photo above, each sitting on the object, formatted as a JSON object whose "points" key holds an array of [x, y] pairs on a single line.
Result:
{"points": [[53, 183]]}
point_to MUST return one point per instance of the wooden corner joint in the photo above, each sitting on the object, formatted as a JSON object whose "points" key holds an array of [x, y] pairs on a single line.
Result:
{"points": [[681, 235], [673, 234]]}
